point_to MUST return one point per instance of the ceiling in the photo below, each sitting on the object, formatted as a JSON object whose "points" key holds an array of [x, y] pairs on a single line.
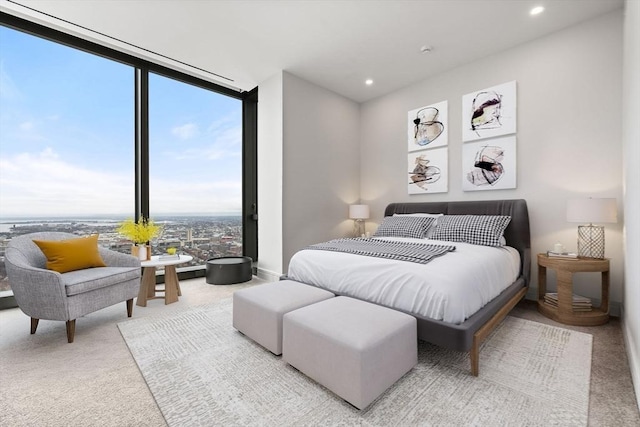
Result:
{"points": [[336, 44]]}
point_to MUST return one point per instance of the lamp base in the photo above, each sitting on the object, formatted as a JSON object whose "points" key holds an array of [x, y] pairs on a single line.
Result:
{"points": [[358, 227], [591, 241]]}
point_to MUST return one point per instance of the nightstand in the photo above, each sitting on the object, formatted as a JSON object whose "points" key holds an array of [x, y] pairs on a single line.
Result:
{"points": [[565, 268]]}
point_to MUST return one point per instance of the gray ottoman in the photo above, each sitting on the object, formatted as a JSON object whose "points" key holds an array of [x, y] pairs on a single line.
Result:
{"points": [[355, 349], [258, 311]]}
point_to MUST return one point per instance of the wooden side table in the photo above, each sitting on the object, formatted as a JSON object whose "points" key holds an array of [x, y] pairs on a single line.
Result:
{"points": [[565, 268], [171, 284]]}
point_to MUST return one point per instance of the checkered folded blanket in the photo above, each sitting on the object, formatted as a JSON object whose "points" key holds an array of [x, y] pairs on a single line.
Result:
{"points": [[420, 253]]}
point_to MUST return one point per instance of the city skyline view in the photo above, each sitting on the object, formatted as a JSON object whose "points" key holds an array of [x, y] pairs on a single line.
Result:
{"points": [[6, 223], [201, 237], [67, 138], [109, 217]]}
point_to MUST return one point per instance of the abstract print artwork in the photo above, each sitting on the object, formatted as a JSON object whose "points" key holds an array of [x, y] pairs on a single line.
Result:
{"points": [[489, 164], [489, 112], [427, 171], [427, 127]]}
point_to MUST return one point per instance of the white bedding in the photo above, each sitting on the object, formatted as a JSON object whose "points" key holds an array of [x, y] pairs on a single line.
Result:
{"points": [[451, 287]]}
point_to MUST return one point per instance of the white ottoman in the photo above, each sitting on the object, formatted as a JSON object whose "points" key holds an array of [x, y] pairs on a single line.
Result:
{"points": [[258, 311], [355, 349]]}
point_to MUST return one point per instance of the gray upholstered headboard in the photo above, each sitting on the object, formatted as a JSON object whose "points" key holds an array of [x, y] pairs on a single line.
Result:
{"points": [[517, 233]]}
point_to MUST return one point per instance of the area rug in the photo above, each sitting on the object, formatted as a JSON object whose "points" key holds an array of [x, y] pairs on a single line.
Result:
{"points": [[202, 372]]}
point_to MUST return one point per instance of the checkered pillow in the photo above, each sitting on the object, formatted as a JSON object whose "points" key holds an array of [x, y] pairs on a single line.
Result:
{"points": [[404, 226], [434, 216], [485, 230]]}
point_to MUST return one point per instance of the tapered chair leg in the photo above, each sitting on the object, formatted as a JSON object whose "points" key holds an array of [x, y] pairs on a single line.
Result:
{"points": [[34, 325], [129, 307], [71, 330]]}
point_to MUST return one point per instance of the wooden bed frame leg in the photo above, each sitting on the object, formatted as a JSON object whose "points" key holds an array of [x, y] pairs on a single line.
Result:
{"points": [[475, 357], [486, 329]]}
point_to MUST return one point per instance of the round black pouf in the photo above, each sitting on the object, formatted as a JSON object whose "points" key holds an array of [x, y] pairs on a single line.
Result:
{"points": [[228, 270]]}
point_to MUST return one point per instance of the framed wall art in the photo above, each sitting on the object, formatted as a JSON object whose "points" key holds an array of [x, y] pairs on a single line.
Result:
{"points": [[427, 127], [489, 164], [490, 112], [427, 171]]}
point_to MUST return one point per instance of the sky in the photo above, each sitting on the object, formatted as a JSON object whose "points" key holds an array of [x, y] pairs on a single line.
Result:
{"points": [[67, 137]]}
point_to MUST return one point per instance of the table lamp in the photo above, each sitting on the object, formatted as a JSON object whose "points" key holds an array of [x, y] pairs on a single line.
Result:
{"points": [[358, 213], [591, 237]]}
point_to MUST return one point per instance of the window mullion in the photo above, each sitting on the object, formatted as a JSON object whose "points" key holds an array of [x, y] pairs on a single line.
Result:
{"points": [[142, 142]]}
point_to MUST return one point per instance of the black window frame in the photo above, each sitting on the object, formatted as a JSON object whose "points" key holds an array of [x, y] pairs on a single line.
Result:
{"points": [[142, 68]]}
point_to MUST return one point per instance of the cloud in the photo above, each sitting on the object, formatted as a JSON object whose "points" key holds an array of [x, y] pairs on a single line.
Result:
{"points": [[226, 143], [8, 89], [26, 126], [224, 121], [44, 185], [48, 153], [171, 196], [186, 131], [23, 127]]}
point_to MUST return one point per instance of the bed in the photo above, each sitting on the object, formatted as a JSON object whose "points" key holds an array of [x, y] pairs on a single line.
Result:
{"points": [[471, 321]]}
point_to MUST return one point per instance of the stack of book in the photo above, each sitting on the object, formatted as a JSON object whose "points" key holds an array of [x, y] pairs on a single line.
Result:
{"points": [[569, 255], [167, 257], [580, 303]]}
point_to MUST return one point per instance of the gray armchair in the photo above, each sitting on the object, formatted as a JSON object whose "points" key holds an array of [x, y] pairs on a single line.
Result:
{"points": [[49, 295]]}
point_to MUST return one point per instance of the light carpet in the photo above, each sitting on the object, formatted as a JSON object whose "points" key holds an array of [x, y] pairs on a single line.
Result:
{"points": [[202, 372]]}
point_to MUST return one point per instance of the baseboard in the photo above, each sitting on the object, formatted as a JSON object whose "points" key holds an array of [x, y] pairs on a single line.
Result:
{"points": [[632, 356], [268, 275]]}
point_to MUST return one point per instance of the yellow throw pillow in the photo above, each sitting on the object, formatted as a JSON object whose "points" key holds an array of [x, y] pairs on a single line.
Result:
{"points": [[71, 254]]}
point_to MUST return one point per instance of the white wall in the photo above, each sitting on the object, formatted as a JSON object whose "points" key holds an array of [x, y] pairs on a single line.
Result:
{"points": [[308, 168], [568, 136], [631, 146], [270, 131], [321, 164]]}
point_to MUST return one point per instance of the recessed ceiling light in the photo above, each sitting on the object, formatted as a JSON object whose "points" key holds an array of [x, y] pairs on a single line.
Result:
{"points": [[368, 82], [536, 10], [426, 48]]}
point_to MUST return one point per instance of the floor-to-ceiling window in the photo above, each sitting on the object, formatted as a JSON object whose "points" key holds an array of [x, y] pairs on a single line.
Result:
{"points": [[72, 143], [195, 169], [66, 141]]}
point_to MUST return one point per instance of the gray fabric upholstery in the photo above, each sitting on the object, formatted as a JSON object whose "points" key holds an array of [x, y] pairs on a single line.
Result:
{"points": [[355, 349], [46, 294], [258, 311], [517, 234]]}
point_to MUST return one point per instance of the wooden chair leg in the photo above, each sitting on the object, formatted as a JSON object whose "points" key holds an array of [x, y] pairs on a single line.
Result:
{"points": [[71, 330], [129, 307], [34, 325]]}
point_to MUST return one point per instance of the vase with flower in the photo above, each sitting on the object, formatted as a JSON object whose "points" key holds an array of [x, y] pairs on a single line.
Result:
{"points": [[140, 233]]}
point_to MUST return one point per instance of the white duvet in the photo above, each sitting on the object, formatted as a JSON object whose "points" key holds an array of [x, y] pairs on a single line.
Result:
{"points": [[451, 287]]}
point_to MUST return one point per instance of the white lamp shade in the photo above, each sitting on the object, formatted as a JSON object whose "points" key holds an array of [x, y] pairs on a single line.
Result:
{"points": [[359, 211], [592, 210]]}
